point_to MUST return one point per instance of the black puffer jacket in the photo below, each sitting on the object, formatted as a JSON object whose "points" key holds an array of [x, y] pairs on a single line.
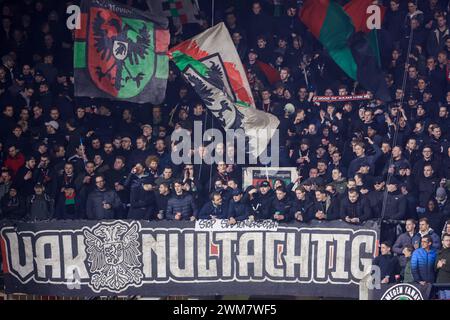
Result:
{"points": [[239, 210], [184, 204]]}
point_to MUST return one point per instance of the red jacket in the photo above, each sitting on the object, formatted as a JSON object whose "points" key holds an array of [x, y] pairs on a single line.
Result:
{"points": [[14, 164]]}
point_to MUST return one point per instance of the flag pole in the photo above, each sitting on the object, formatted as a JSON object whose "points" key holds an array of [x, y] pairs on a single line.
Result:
{"points": [[212, 12]]}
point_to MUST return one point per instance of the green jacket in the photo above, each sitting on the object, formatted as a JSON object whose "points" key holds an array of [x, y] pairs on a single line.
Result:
{"points": [[407, 274]]}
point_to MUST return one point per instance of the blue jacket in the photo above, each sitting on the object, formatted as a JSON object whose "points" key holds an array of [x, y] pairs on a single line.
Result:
{"points": [[422, 265], [209, 210], [184, 204], [239, 210]]}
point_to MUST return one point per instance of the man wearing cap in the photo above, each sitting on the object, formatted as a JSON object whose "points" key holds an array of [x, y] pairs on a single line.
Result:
{"points": [[53, 136], [238, 210], [264, 198]]}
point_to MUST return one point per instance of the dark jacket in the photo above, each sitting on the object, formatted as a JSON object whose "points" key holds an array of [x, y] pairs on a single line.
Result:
{"points": [[395, 206], [95, 201], [402, 241], [331, 209], [142, 203], [263, 202], [360, 209], [239, 210], [370, 159], [422, 265], [389, 266], [443, 274], [40, 207], [209, 210], [13, 208], [301, 206], [137, 156], [375, 199], [184, 204], [119, 176], [161, 202], [25, 187], [282, 207], [426, 187]]}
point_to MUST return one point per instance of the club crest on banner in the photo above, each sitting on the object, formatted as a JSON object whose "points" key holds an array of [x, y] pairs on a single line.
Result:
{"points": [[113, 252]]}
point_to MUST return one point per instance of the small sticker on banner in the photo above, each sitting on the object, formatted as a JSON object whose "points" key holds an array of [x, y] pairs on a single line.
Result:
{"points": [[219, 225]]}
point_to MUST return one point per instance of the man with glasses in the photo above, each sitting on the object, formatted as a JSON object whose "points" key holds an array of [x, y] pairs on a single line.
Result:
{"points": [[427, 159], [423, 261], [102, 203]]}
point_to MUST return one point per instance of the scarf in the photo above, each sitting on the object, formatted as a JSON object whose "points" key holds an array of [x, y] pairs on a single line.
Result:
{"points": [[69, 200]]}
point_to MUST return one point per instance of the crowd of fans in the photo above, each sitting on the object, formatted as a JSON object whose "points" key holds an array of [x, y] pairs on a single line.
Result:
{"points": [[66, 157]]}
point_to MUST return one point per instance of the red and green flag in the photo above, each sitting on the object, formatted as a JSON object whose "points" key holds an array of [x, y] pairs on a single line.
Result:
{"points": [[342, 35], [357, 11], [120, 53]]}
